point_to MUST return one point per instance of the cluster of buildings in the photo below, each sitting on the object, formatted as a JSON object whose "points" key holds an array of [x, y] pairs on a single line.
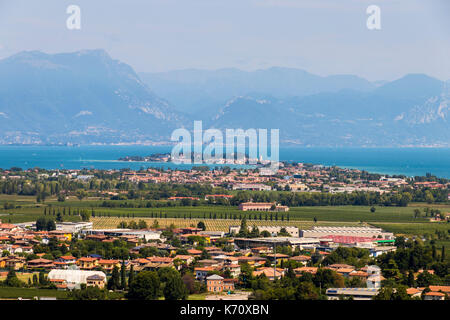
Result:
{"points": [[219, 270], [298, 177]]}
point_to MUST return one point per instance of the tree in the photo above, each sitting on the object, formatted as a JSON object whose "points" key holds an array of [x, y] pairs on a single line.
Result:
{"points": [[45, 224], [429, 197], [81, 194], [114, 281], [85, 216], [142, 224], [59, 217], [255, 232], [283, 233], [155, 224], [243, 231], [425, 279], [373, 209], [265, 234], [201, 225], [189, 282], [123, 274], [443, 254], [326, 278], [145, 286], [131, 275], [306, 291], [12, 280], [43, 280], [411, 281], [175, 289], [88, 293]]}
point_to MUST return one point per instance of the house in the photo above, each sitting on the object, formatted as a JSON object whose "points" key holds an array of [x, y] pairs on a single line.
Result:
{"points": [[73, 278], [299, 271], [61, 235], [216, 283], [434, 296], [413, 292], [186, 259], [8, 227], [261, 250], [358, 274], [345, 271], [15, 263], [95, 280], [3, 262], [87, 263], [214, 197], [374, 277], [252, 261], [64, 262], [270, 273], [277, 257], [40, 263], [262, 206], [208, 263], [194, 252], [107, 264], [234, 269], [444, 289], [155, 266], [337, 266], [302, 259], [202, 272]]}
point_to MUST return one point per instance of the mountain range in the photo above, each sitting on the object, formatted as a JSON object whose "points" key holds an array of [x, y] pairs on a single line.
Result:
{"points": [[88, 97]]}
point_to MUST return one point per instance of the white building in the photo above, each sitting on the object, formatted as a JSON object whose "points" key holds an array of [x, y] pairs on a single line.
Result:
{"points": [[142, 234], [370, 232], [374, 277], [273, 230], [73, 227], [73, 278], [356, 293]]}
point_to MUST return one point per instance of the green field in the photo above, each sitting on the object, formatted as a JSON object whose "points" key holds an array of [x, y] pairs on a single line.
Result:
{"points": [[22, 276], [427, 229], [29, 293], [399, 220], [27, 210]]}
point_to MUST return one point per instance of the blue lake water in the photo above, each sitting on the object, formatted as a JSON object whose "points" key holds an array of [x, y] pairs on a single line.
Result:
{"points": [[406, 161]]}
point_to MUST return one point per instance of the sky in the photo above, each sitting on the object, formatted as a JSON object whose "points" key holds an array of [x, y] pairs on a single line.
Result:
{"points": [[321, 36]]}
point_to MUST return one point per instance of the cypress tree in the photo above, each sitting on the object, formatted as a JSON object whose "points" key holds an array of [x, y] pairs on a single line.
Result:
{"points": [[114, 281], [123, 273], [131, 275]]}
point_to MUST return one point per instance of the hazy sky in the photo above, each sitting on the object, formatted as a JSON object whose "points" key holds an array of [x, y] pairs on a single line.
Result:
{"points": [[321, 36]]}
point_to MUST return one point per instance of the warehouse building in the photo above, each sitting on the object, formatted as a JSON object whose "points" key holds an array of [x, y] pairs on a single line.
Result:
{"points": [[367, 232]]}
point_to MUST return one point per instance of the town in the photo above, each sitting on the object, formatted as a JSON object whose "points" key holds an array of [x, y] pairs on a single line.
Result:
{"points": [[309, 232]]}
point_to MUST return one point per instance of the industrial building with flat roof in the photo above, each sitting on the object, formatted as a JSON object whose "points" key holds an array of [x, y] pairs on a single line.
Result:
{"points": [[356, 293], [142, 234], [369, 232], [273, 230], [302, 243]]}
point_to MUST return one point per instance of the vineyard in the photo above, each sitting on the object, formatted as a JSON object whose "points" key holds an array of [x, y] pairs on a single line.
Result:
{"points": [[211, 224]]}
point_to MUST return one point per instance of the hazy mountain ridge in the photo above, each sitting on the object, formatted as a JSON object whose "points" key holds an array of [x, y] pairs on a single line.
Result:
{"points": [[87, 97], [82, 97]]}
